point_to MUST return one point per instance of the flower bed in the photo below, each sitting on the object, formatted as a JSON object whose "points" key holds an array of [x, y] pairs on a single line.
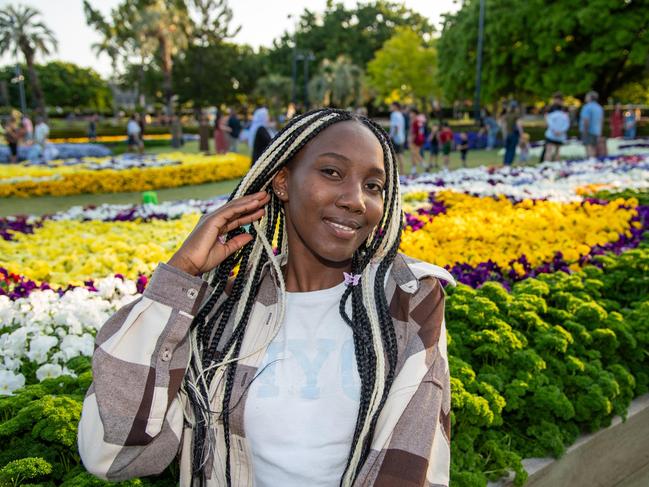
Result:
{"points": [[547, 340], [62, 150], [557, 181], [120, 174], [477, 238], [531, 369]]}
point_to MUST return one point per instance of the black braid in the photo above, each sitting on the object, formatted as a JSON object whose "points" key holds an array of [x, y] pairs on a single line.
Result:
{"points": [[209, 332]]}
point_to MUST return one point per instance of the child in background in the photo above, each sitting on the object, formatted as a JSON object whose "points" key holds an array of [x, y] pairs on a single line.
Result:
{"points": [[524, 147], [463, 147], [446, 140]]}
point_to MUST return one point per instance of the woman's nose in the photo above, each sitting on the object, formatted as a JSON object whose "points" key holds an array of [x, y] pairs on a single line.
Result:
{"points": [[352, 198]]}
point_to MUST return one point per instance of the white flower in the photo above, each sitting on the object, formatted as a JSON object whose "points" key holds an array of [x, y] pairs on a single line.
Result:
{"points": [[10, 381], [40, 346], [11, 363], [73, 345], [48, 371]]}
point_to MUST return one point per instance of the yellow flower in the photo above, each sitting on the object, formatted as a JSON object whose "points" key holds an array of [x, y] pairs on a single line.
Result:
{"points": [[20, 180]]}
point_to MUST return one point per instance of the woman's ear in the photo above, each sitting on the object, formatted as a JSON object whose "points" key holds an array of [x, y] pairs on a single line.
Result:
{"points": [[280, 184]]}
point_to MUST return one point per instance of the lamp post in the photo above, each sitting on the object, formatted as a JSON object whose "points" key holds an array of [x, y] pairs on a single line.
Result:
{"points": [[478, 68], [308, 57], [20, 79]]}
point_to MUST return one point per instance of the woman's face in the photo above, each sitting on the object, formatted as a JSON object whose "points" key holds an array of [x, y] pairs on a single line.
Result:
{"points": [[333, 192]]}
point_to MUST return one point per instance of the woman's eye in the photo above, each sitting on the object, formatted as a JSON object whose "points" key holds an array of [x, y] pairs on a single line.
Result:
{"points": [[331, 172], [375, 187]]}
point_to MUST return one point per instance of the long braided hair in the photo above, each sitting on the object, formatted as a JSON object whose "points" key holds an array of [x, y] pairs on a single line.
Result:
{"points": [[215, 353]]}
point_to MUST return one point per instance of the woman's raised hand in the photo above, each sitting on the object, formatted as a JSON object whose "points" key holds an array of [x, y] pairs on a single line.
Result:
{"points": [[203, 250]]}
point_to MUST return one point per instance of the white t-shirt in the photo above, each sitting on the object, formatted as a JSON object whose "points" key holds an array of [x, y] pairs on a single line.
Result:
{"points": [[41, 133], [133, 128], [397, 127], [301, 408]]}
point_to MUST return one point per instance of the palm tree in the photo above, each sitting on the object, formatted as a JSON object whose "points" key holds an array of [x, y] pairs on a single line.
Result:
{"points": [[21, 30], [152, 29]]}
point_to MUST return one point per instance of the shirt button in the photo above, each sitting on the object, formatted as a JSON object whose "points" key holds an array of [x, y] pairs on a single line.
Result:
{"points": [[192, 293], [166, 355]]}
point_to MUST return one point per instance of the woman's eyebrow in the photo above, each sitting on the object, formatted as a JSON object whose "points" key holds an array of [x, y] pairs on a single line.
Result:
{"points": [[335, 155]]}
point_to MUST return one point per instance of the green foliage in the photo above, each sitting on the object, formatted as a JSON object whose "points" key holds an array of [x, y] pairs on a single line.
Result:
{"points": [[331, 34], [16, 472], [405, 68], [532, 369], [63, 84], [536, 47]]}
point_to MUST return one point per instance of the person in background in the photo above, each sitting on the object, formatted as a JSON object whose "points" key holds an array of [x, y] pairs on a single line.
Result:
{"points": [[492, 129], [629, 123], [221, 135], [524, 147], [204, 133], [235, 130], [417, 138], [12, 136], [92, 128], [432, 145], [446, 142], [513, 129], [406, 128], [259, 134], [616, 121], [41, 133], [27, 130], [134, 133], [398, 132], [558, 123], [463, 147], [591, 120]]}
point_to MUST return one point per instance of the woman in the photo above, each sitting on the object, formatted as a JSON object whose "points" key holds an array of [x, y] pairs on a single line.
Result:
{"points": [[616, 121], [12, 136], [221, 135], [323, 365], [259, 134]]}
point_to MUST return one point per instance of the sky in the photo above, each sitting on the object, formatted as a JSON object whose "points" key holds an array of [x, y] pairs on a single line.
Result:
{"points": [[261, 21]]}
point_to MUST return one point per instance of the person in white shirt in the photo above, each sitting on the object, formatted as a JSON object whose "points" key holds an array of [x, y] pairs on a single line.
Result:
{"points": [[558, 123], [134, 133], [397, 131]]}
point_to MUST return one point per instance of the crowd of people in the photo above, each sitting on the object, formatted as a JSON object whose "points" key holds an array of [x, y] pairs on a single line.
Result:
{"points": [[425, 137], [19, 130]]}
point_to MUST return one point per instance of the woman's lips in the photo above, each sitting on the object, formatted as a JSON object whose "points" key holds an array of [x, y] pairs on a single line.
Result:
{"points": [[341, 230]]}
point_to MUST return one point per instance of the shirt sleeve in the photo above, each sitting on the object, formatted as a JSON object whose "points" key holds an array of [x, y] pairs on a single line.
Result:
{"points": [[132, 418], [414, 432]]}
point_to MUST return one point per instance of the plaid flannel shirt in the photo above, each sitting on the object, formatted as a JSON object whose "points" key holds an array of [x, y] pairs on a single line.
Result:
{"points": [[133, 425]]}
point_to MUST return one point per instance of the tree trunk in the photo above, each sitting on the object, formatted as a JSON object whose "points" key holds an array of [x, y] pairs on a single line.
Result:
{"points": [[167, 66], [28, 52]]}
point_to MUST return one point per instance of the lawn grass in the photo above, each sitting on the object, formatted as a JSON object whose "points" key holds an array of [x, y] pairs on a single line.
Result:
{"points": [[50, 204]]}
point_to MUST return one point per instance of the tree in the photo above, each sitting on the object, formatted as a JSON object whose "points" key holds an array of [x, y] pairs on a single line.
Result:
{"points": [[405, 67], [220, 73], [338, 83], [534, 48], [67, 85], [275, 90], [21, 30], [356, 33], [157, 29]]}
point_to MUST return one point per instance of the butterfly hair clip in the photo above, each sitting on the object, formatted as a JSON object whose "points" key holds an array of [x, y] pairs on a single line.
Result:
{"points": [[352, 279]]}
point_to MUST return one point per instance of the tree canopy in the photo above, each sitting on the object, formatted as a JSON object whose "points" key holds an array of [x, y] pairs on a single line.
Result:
{"points": [[534, 48], [404, 68], [66, 85]]}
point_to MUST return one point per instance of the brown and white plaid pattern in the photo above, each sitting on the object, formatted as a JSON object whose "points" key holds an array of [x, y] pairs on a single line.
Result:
{"points": [[133, 424]]}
